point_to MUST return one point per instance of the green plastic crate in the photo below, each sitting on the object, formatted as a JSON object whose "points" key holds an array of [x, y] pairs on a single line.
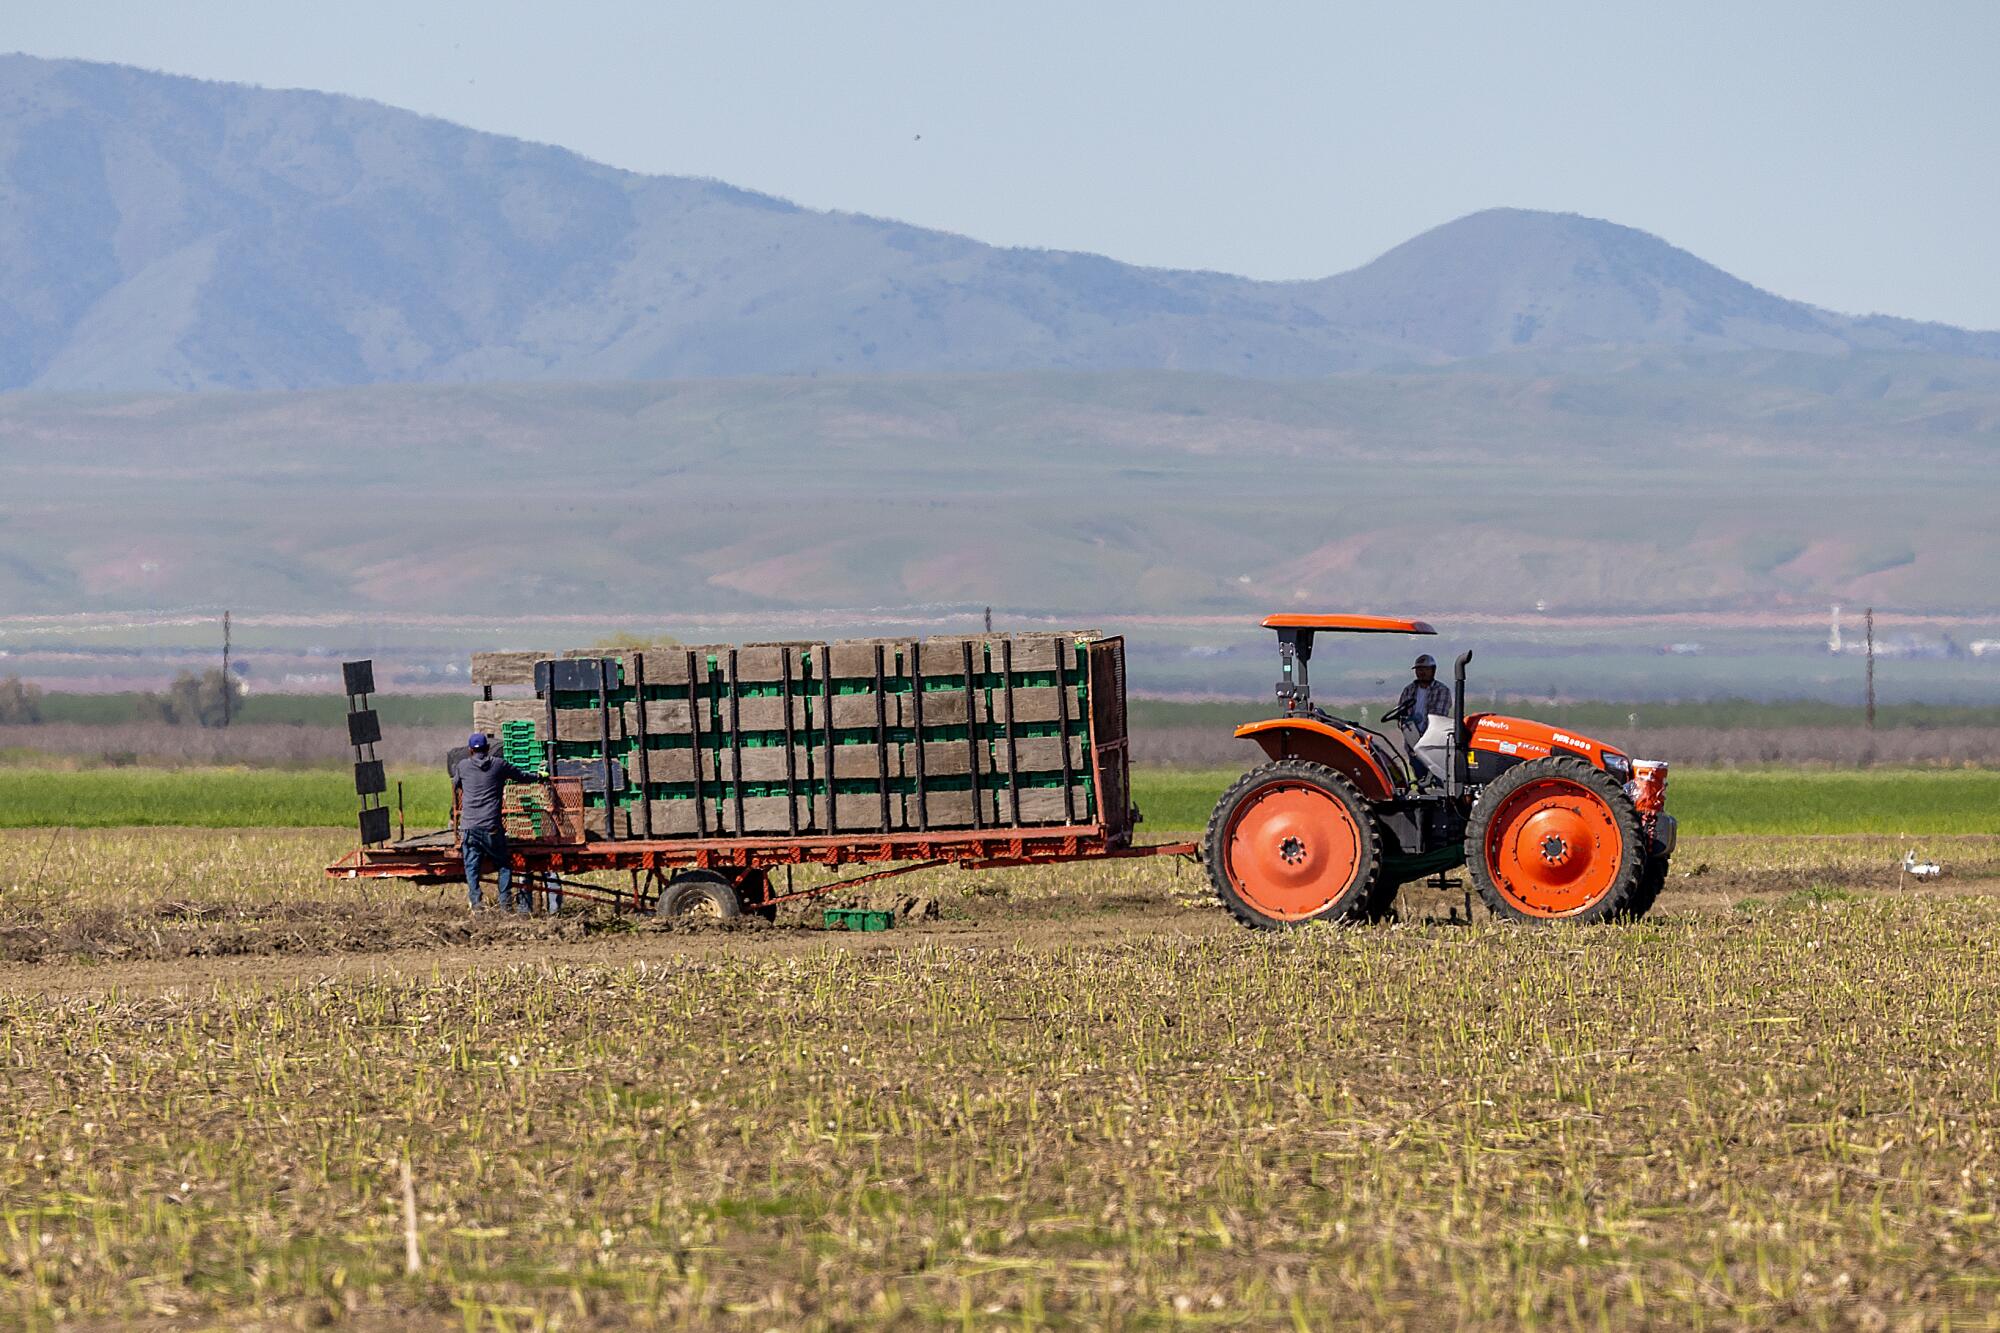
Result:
{"points": [[519, 747], [857, 918]]}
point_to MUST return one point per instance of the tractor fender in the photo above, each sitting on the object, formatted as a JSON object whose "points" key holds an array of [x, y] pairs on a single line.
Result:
{"points": [[1316, 742]]}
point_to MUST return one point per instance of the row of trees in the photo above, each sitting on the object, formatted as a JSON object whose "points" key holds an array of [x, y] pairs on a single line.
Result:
{"points": [[206, 700], [20, 701]]}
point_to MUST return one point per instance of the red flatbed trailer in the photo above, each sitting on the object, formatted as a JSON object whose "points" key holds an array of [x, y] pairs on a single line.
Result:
{"points": [[747, 862], [654, 865]]}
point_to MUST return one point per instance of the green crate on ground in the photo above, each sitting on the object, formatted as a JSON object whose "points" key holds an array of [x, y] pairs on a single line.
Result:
{"points": [[857, 918]]}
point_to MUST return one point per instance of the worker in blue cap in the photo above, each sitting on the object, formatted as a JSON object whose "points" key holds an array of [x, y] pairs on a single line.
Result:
{"points": [[481, 780]]}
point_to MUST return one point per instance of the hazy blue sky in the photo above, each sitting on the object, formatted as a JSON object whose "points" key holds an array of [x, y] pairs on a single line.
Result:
{"points": [[1840, 153]]}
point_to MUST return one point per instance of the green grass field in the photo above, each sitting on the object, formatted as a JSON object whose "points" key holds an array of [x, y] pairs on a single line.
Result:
{"points": [[324, 710], [452, 710], [1717, 801], [1712, 801], [1599, 715]]}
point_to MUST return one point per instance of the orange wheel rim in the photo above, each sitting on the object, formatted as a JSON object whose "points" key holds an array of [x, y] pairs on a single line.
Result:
{"points": [[1292, 850], [1554, 848]]}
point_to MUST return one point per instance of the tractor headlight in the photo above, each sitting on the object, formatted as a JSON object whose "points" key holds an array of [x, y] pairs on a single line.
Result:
{"points": [[1617, 765]]}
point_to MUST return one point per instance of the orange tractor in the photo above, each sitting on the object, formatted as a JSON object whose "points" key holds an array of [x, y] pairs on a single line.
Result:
{"points": [[1551, 825]]}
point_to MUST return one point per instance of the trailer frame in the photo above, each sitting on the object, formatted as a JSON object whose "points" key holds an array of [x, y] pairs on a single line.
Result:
{"points": [[651, 862]]}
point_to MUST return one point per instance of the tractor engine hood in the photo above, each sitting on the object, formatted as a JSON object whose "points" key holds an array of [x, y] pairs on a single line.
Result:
{"points": [[1524, 738]]}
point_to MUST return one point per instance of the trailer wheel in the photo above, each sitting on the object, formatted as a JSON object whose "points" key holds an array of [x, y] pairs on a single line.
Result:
{"points": [[1292, 842], [1555, 839], [699, 893]]}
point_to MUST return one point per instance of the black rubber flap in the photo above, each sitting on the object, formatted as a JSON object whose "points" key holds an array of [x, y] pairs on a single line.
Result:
{"points": [[360, 676], [364, 727], [575, 673]]}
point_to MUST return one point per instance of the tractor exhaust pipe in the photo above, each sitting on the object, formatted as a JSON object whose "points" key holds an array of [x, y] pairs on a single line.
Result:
{"points": [[1459, 738]]}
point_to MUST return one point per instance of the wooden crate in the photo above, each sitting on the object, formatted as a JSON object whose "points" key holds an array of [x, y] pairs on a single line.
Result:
{"points": [[949, 810], [764, 663], [1036, 703], [857, 711], [587, 725], [672, 765], [854, 659], [763, 763], [760, 714], [506, 668], [940, 658], [718, 704], [761, 815], [674, 818], [945, 708], [1026, 653], [857, 761], [664, 666], [489, 715], [941, 758], [664, 717], [1037, 754], [1044, 805]]}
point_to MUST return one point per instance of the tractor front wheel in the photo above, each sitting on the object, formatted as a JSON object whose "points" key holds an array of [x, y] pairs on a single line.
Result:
{"points": [[1293, 842], [1652, 879], [1555, 840]]}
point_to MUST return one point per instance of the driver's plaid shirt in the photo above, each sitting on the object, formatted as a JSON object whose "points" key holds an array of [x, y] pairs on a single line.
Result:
{"points": [[1437, 698]]}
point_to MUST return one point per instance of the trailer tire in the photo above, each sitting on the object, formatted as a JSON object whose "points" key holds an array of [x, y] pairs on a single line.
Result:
{"points": [[699, 893], [1293, 842]]}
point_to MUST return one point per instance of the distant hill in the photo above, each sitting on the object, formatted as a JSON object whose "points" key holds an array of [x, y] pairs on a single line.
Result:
{"points": [[166, 233], [1592, 481], [1510, 278]]}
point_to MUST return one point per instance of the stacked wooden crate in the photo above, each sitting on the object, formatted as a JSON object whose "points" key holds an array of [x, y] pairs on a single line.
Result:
{"points": [[860, 736]]}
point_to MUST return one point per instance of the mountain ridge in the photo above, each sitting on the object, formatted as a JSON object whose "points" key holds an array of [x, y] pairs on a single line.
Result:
{"points": [[160, 232], [1604, 483]]}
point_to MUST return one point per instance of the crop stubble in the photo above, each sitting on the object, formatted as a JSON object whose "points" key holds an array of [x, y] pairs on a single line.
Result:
{"points": [[1079, 1099]]}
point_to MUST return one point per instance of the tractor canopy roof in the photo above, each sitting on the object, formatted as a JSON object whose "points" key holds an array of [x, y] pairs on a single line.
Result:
{"points": [[1348, 624]]}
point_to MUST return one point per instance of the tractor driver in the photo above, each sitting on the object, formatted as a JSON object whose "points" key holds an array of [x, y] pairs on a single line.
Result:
{"points": [[1421, 700], [481, 780]]}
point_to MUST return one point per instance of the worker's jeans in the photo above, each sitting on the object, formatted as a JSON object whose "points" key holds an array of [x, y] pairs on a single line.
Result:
{"points": [[481, 846]]}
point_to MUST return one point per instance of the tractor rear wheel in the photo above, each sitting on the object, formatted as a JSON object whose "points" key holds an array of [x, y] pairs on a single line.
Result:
{"points": [[1293, 842], [1555, 840]]}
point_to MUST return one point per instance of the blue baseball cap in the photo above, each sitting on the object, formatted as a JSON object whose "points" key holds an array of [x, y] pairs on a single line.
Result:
{"points": [[476, 741]]}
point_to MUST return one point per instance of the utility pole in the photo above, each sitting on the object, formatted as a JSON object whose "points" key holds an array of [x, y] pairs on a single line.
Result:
{"points": [[1871, 668], [225, 669]]}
